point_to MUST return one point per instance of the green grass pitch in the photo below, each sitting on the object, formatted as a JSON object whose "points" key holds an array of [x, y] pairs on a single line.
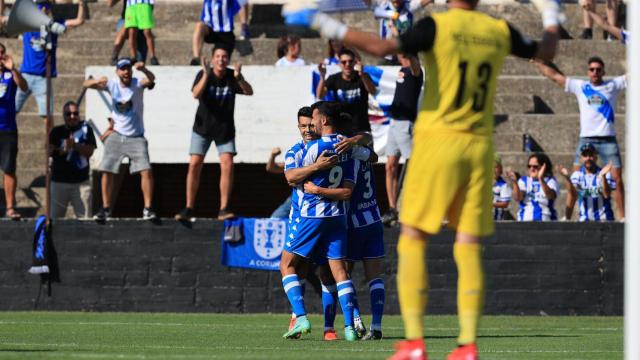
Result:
{"points": [[63, 335]]}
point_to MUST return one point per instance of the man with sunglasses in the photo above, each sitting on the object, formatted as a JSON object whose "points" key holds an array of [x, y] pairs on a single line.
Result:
{"points": [[350, 87], [70, 147], [597, 102]]}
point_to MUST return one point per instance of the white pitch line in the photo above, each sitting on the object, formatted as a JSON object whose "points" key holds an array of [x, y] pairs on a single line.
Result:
{"points": [[160, 324], [278, 348]]}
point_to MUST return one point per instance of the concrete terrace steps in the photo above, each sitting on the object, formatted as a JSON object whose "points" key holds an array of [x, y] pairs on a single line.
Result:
{"points": [[81, 52]]}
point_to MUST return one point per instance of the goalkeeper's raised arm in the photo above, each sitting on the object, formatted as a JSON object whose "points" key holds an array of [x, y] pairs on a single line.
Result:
{"points": [[420, 37]]}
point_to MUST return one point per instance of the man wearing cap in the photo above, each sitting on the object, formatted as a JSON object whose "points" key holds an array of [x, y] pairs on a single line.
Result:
{"points": [[215, 87], [34, 58], [597, 102], [501, 191], [125, 136], [592, 186]]}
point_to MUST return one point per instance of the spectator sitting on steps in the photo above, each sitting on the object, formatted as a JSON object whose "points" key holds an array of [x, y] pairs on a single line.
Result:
{"points": [[288, 51], [537, 191]]}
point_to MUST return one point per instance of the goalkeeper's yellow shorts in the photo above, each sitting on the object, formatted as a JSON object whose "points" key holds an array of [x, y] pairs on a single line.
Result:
{"points": [[450, 177]]}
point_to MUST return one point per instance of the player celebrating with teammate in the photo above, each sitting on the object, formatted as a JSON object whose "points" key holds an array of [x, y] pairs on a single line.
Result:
{"points": [[450, 175]]}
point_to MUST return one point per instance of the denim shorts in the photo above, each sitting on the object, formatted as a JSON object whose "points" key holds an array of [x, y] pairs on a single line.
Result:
{"points": [[38, 87], [200, 145], [607, 148]]}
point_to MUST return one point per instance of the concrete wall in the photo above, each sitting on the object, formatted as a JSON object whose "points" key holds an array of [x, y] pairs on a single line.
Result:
{"points": [[555, 268]]}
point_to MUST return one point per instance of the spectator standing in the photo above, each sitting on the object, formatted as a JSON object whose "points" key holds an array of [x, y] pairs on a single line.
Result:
{"points": [[244, 14], [537, 191], [139, 16], [215, 88], [351, 87], [121, 37], [591, 186], [614, 31], [125, 136], [597, 102], [587, 20], [396, 17], [34, 58], [70, 147], [501, 192], [289, 48], [403, 111], [10, 81], [215, 26]]}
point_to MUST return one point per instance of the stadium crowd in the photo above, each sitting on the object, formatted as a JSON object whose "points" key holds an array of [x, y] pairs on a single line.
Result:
{"points": [[352, 86]]}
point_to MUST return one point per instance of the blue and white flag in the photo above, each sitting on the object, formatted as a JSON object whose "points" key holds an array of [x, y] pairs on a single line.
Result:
{"points": [[261, 245]]}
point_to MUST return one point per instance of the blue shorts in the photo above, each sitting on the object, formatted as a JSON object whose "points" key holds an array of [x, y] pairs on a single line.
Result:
{"points": [[318, 237], [607, 148], [366, 242]]}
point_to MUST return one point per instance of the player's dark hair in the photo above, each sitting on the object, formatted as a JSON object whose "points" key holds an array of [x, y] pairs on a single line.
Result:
{"points": [[222, 46], [305, 111], [543, 159], [595, 59], [345, 51], [3, 47], [328, 109]]}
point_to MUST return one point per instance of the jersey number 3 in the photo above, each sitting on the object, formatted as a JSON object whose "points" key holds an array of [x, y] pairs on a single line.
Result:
{"points": [[480, 95]]}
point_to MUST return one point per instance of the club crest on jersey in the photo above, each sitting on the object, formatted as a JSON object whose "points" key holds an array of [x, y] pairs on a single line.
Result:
{"points": [[269, 236]]}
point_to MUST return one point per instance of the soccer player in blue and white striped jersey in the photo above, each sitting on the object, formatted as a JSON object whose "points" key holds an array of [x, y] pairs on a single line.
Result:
{"points": [[501, 191], [592, 187], [215, 25], [322, 229], [537, 191]]}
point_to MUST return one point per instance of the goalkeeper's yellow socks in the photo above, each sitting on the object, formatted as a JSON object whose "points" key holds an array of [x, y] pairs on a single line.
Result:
{"points": [[468, 258], [412, 284]]}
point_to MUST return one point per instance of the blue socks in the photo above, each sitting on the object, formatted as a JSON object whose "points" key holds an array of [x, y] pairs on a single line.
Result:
{"points": [[376, 294], [329, 304], [294, 291], [346, 298]]}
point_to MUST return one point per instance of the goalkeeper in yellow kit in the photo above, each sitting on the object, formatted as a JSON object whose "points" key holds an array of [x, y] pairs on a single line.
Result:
{"points": [[450, 173]]}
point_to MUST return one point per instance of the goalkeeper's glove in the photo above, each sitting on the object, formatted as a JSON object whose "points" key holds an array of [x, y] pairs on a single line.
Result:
{"points": [[329, 27], [551, 11]]}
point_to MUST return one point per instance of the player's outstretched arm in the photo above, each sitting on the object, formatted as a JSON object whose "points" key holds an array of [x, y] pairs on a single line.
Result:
{"points": [[337, 194], [368, 42]]}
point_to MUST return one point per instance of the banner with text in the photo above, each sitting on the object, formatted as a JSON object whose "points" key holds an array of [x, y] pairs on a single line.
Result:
{"points": [[253, 243]]}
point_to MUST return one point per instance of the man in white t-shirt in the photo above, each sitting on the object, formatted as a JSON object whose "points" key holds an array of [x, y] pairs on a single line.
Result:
{"points": [[125, 136], [597, 101]]}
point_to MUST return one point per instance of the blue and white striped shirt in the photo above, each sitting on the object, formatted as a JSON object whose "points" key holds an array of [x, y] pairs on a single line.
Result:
{"points": [[363, 207], [218, 14], [535, 206], [293, 160], [385, 10], [314, 206], [137, 2], [501, 193], [593, 205]]}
